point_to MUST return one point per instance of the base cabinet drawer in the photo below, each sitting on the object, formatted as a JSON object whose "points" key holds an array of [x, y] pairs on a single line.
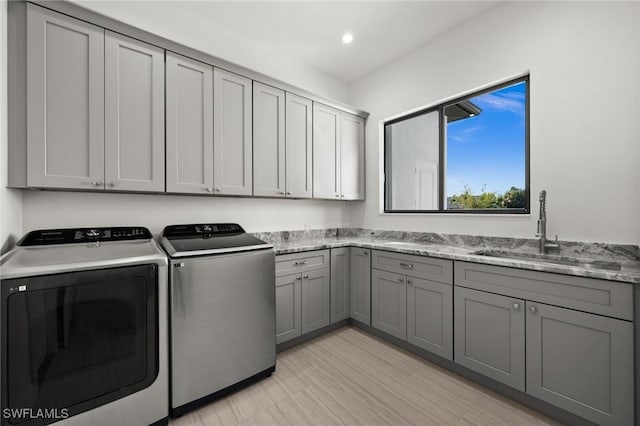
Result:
{"points": [[302, 262], [430, 316], [581, 362], [288, 304], [489, 335], [389, 303]]}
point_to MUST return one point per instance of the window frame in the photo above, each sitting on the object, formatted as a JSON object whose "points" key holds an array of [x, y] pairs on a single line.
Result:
{"points": [[440, 108]]}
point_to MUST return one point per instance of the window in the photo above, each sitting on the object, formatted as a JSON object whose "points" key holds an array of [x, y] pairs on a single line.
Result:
{"points": [[469, 155]]}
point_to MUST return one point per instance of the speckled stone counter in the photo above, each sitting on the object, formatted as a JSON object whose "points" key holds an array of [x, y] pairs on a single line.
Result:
{"points": [[465, 248]]}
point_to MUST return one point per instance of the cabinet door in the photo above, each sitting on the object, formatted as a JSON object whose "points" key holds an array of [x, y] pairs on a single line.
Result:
{"points": [[65, 101], [326, 152], [339, 284], [360, 285], [581, 362], [351, 157], [430, 316], [389, 303], [288, 303], [268, 141], [189, 111], [489, 335], [232, 133], [299, 147], [134, 115], [315, 300]]}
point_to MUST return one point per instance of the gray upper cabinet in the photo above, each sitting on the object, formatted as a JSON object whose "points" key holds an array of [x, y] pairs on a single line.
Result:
{"points": [[339, 284], [351, 157], [489, 335], [268, 141], [232, 136], [338, 154], [65, 102], [316, 300], [326, 152], [134, 115], [360, 285], [288, 304], [299, 147], [581, 362], [430, 316], [189, 117], [389, 303]]}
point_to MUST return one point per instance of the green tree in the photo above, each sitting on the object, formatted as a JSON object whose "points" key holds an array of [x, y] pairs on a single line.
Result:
{"points": [[514, 198]]}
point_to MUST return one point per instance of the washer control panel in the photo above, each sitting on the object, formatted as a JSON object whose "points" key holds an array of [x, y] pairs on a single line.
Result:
{"points": [[81, 235]]}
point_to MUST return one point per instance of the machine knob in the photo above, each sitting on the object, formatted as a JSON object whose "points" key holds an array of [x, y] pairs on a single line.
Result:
{"points": [[92, 233]]}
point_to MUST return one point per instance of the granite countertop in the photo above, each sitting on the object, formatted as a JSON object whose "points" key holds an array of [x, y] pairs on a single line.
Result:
{"points": [[463, 248]]}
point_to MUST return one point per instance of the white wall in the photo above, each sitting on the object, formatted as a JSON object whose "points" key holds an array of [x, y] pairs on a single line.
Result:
{"points": [[583, 60], [43, 209], [46, 209], [10, 199]]}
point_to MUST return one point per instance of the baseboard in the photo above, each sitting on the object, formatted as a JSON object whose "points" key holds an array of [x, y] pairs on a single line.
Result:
{"points": [[312, 335]]}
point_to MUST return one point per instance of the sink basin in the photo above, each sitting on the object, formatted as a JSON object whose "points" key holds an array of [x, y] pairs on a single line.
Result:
{"points": [[549, 258]]}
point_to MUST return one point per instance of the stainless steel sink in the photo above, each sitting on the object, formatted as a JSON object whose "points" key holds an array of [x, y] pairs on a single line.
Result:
{"points": [[579, 262]]}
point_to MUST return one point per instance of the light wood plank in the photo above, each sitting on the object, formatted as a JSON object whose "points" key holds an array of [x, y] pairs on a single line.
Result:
{"points": [[349, 377]]}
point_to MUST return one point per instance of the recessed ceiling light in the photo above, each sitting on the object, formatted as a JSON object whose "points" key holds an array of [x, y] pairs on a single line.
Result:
{"points": [[347, 38]]}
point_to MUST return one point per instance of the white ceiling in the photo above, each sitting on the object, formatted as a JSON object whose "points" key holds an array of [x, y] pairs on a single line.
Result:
{"points": [[311, 31]]}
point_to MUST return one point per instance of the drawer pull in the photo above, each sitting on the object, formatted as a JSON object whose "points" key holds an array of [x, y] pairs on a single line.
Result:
{"points": [[406, 265], [303, 262]]}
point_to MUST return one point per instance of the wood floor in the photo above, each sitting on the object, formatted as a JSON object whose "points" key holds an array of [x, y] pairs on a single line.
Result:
{"points": [[349, 377]]}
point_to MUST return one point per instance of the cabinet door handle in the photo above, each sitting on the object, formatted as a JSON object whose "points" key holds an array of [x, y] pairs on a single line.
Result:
{"points": [[406, 265], [281, 192], [409, 281], [289, 193], [112, 184], [209, 189], [337, 195], [217, 189], [366, 253], [516, 306], [303, 262], [96, 183], [533, 309], [298, 278], [305, 277], [400, 280]]}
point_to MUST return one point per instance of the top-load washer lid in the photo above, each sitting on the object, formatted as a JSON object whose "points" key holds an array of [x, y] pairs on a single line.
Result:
{"points": [[207, 239]]}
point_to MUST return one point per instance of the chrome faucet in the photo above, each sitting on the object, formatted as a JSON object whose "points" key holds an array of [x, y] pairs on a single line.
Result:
{"points": [[544, 244]]}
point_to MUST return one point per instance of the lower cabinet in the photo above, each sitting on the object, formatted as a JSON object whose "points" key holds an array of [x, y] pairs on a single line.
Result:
{"points": [[489, 335], [429, 316], [340, 284], [315, 294], [302, 293], [360, 285], [389, 303], [577, 361], [581, 362], [288, 302]]}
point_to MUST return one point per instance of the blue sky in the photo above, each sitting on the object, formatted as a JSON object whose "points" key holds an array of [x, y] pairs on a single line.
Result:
{"points": [[489, 149]]}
